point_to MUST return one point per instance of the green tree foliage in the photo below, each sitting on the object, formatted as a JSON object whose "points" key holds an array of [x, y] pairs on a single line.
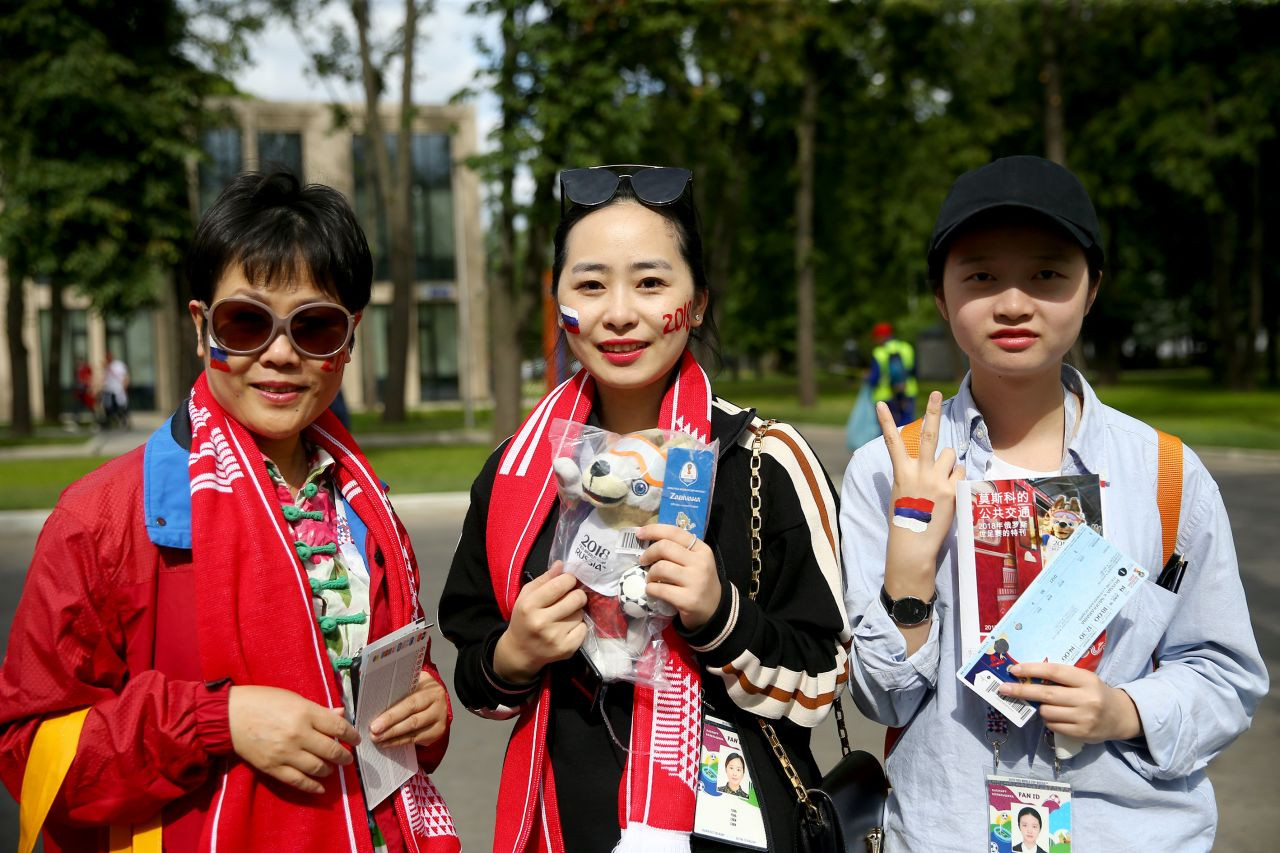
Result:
{"points": [[100, 107], [1167, 111]]}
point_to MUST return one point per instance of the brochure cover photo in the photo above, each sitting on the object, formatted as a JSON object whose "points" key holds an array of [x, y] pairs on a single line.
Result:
{"points": [[1007, 532]]}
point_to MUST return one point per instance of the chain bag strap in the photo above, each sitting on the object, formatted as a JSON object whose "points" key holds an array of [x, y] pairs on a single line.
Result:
{"points": [[849, 802]]}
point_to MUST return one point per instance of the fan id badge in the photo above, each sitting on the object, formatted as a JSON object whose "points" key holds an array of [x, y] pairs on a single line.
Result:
{"points": [[727, 807], [1028, 815]]}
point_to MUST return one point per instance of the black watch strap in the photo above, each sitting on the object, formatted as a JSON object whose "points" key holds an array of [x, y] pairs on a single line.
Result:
{"points": [[908, 611]]}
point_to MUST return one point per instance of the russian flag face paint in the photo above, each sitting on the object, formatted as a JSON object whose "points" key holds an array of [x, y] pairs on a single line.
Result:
{"points": [[569, 318], [218, 359]]}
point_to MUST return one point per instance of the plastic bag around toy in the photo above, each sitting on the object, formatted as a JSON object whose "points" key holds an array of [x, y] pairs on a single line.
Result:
{"points": [[610, 485]]}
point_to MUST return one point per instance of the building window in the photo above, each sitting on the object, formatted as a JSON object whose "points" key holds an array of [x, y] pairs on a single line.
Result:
{"points": [[375, 332], [430, 205], [438, 350], [278, 150], [132, 340], [75, 349], [223, 161]]}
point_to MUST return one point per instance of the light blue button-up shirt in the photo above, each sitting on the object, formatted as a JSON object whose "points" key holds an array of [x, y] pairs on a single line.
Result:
{"points": [[1151, 792]]}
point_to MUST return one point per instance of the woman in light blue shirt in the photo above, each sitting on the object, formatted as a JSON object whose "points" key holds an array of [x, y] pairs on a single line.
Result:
{"points": [[1016, 262]]}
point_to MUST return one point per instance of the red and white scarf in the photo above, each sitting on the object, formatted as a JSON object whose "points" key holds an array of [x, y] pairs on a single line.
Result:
{"points": [[256, 625], [656, 797]]}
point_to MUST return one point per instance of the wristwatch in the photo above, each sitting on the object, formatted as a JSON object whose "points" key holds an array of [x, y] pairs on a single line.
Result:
{"points": [[907, 611]]}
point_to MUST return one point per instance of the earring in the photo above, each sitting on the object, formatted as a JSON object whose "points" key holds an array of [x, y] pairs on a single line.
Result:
{"points": [[697, 317]]}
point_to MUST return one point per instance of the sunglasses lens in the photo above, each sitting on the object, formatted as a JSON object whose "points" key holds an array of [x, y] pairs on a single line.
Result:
{"points": [[662, 185], [320, 330], [241, 327], [589, 187]]}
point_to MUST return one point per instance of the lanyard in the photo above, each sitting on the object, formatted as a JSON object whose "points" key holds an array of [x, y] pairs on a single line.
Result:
{"points": [[998, 734]]}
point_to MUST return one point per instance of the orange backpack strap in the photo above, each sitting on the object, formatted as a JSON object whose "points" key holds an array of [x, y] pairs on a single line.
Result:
{"points": [[1169, 489]]}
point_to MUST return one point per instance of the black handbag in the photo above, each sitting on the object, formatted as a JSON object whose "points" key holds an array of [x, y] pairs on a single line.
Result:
{"points": [[845, 813]]}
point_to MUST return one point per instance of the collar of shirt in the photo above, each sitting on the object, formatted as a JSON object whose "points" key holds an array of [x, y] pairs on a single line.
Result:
{"points": [[1085, 451], [319, 462]]}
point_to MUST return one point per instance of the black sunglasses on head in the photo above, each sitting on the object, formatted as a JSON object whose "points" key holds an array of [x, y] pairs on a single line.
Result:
{"points": [[596, 185]]}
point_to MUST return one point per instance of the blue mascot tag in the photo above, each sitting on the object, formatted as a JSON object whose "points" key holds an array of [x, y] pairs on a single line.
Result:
{"points": [[686, 494]]}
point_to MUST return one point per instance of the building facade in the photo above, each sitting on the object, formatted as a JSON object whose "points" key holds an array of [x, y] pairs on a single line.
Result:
{"points": [[448, 348]]}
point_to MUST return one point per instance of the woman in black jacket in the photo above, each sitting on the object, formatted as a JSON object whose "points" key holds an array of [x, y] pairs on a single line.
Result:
{"points": [[591, 766]]}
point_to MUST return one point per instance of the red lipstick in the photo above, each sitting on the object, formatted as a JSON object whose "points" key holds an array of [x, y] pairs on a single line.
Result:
{"points": [[1014, 340], [622, 351]]}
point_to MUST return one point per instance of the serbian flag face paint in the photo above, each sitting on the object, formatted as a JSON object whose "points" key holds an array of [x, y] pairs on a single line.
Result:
{"points": [[569, 318], [218, 359]]}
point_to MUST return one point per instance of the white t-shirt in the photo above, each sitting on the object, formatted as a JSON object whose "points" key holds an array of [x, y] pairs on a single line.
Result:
{"points": [[116, 380]]}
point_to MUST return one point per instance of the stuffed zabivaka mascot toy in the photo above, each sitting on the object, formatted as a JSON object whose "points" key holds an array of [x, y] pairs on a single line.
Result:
{"points": [[609, 485]]}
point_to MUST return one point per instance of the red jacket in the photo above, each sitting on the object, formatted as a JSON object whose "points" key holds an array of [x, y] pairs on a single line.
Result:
{"points": [[106, 620]]}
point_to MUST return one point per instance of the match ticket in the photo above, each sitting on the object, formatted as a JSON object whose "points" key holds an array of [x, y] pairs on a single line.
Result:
{"points": [[1068, 604], [389, 669]]}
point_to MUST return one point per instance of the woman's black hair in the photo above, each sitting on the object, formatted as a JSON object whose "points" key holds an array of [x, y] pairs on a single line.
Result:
{"points": [[683, 216], [277, 230], [1030, 811]]}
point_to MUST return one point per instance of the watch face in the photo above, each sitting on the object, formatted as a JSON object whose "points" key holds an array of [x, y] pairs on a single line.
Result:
{"points": [[910, 611]]}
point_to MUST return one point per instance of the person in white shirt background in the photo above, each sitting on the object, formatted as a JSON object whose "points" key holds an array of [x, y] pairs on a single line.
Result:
{"points": [[115, 392]]}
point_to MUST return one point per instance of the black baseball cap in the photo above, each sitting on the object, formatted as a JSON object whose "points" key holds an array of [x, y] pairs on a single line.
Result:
{"points": [[1031, 183]]}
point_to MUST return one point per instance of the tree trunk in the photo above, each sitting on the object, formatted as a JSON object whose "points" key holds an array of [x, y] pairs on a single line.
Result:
{"points": [[1055, 141], [1055, 146], [1273, 329], [806, 367], [724, 234], [189, 365], [53, 358], [526, 300], [1227, 367], [15, 312], [394, 195], [1107, 331], [503, 322], [1253, 327]]}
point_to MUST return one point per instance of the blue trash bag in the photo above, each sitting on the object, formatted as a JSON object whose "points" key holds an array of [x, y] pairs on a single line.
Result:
{"points": [[862, 425]]}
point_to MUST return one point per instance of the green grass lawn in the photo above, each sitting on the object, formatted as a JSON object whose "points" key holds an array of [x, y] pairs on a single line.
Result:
{"points": [[1183, 402], [44, 435], [449, 418], [429, 469], [36, 483]]}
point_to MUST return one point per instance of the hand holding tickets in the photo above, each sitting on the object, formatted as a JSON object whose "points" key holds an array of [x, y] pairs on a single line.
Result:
{"points": [[1053, 622], [389, 671]]}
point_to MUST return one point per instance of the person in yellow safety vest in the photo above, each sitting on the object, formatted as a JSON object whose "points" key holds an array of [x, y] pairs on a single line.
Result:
{"points": [[893, 374]]}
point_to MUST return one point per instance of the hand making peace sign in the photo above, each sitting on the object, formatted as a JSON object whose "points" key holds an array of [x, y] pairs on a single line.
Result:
{"points": [[921, 507]]}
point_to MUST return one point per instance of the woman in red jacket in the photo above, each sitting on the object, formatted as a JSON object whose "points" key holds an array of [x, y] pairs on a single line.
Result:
{"points": [[203, 597]]}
